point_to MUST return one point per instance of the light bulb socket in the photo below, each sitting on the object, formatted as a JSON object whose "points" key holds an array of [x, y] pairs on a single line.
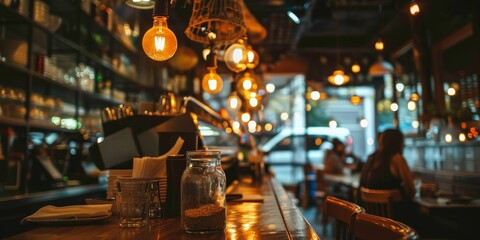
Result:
{"points": [[160, 9], [211, 60]]}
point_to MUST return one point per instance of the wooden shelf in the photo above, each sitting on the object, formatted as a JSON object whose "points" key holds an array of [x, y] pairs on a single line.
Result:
{"points": [[18, 122]]}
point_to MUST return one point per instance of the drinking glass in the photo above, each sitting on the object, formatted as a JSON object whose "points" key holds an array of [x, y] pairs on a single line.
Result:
{"points": [[132, 202]]}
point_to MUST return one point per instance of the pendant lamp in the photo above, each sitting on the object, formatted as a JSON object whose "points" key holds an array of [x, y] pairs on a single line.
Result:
{"points": [[223, 17]]}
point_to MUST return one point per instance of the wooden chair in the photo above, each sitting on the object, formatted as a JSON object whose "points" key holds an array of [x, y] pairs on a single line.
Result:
{"points": [[371, 227], [342, 211], [379, 202]]}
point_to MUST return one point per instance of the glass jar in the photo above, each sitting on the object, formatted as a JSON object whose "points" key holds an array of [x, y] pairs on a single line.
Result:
{"points": [[203, 202]]}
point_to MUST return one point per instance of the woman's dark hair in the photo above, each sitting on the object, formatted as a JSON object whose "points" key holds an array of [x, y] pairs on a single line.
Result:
{"points": [[391, 144], [336, 142]]}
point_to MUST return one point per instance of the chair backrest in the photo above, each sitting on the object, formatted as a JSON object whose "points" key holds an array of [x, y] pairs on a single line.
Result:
{"points": [[379, 202], [342, 211], [371, 227]]}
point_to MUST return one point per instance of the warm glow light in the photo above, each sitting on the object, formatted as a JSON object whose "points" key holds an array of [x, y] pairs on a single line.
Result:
{"points": [[400, 87], [332, 124], [259, 128], [463, 125], [356, 68], [355, 99], [270, 87], [415, 97], [415, 124], [284, 116], [212, 82], [323, 96], [236, 57], [411, 105], [268, 127], [338, 78], [363, 123], [315, 95], [205, 53], [394, 107], [253, 58], [159, 42], [448, 137], [252, 124], [462, 137], [318, 141], [246, 117], [246, 84], [234, 102], [451, 91], [379, 45], [414, 8], [308, 107], [253, 102], [236, 126]]}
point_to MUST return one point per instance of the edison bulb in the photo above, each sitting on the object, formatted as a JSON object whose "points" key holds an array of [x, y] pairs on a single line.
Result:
{"points": [[379, 45], [212, 82], [236, 57], [252, 57], [234, 102], [356, 68], [247, 84], [414, 8], [159, 42], [338, 78], [245, 117]]}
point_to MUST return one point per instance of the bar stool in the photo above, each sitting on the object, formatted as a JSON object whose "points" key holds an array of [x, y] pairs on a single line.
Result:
{"points": [[371, 227], [342, 211], [379, 202]]}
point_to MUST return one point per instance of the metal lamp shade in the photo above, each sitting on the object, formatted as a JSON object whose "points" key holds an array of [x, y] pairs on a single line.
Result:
{"points": [[223, 17]]}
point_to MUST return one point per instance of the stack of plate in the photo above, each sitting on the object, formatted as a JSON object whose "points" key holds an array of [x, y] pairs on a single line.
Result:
{"points": [[113, 175], [14, 51]]}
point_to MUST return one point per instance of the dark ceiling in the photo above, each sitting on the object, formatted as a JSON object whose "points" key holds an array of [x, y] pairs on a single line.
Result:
{"points": [[331, 31]]}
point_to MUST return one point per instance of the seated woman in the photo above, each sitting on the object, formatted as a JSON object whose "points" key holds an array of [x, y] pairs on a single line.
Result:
{"points": [[335, 159], [387, 169]]}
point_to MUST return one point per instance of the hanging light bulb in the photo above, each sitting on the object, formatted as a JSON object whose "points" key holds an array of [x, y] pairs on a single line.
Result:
{"points": [[246, 85], [379, 45], [415, 97], [253, 102], [245, 117], [159, 42], [338, 78], [236, 56], [414, 8], [212, 82], [411, 105], [253, 58], [355, 99], [394, 106], [234, 102], [356, 68]]}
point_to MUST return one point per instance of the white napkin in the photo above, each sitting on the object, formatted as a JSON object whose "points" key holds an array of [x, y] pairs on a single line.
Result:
{"points": [[75, 211], [154, 167]]}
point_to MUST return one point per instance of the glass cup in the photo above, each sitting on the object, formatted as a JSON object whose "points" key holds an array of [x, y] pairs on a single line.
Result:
{"points": [[132, 202], [418, 187]]}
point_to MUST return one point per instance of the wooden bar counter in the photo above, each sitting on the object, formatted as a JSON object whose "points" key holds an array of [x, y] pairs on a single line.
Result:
{"points": [[276, 217]]}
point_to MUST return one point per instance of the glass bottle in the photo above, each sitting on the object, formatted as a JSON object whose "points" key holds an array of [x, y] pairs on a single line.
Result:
{"points": [[203, 202]]}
